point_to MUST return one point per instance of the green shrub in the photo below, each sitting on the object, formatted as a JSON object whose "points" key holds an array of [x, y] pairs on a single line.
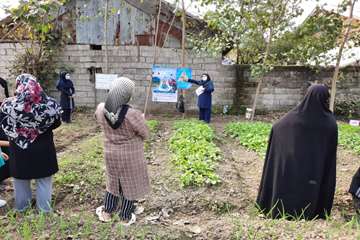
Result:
{"points": [[349, 137], [252, 135], [348, 107], [195, 154]]}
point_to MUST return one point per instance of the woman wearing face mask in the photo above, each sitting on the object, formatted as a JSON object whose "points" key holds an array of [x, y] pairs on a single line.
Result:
{"points": [[66, 87], [204, 93]]}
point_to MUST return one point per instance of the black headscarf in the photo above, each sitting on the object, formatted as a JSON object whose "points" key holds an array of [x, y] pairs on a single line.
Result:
{"points": [[300, 166], [64, 83], [207, 75]]}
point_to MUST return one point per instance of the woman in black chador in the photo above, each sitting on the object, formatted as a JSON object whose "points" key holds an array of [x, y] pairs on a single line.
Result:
{"points": [[355, 190], [300, 166]]}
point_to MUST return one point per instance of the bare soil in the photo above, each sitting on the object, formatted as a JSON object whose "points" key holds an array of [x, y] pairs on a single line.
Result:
{"points": [[216, 212]]}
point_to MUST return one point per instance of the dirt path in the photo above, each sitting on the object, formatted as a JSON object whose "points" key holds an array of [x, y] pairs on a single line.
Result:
{"points": [[201, 213]]}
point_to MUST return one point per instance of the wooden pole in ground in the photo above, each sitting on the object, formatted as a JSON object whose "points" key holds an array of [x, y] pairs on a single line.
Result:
{"points": [[155, 56], [183, 17], [105, 36], [338, 59], [259, 85]]}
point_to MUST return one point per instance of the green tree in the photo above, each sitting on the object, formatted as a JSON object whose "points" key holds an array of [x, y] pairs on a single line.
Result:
{"points": [[38, 30]]}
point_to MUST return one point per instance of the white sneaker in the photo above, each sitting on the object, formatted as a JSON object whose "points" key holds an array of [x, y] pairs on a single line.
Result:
{"points": [[102, 215], [139, 210], [2, 203], [131, 221]]}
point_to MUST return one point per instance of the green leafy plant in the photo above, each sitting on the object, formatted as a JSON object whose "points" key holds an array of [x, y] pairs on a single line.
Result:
{"points": [[195, 154], [349, 137], [153, 125], [348, 107], [252, 135]]}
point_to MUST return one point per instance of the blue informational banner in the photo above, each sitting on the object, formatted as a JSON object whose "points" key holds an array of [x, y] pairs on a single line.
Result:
{"points": [[164, 84], [166, 81], [182, 75]]}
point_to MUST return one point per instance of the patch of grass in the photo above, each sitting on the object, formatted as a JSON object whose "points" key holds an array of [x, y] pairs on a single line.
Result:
{"points": [[70, 225], [349, 137], [153, 125], [252, 135], [255, 228], [195, 154], [82, 170], [220, 207]]}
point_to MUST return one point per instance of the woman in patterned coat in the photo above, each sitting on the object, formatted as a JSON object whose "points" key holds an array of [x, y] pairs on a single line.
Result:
{"points": [[28, 121], [126, 170]]}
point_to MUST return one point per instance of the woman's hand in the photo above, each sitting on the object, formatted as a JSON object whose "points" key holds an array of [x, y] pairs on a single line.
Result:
{"points": [[5, 156], [4, 144]]}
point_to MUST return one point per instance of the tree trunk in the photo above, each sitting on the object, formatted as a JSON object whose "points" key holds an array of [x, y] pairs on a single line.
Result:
{"points": [[183, 17], [105, 36], [155, 55], [258, 88], [337, 68], [183, 46]]}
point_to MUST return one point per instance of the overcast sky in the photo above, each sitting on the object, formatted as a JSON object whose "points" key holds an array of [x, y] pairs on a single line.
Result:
{"points": [[308, 6]]}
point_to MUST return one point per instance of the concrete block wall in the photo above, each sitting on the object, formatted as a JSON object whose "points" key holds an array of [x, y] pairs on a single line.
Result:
{"points": [[136, 63], [282, 88]]}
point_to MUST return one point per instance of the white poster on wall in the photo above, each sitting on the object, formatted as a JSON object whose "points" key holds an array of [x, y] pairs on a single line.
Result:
{"points": [[103, 81]]}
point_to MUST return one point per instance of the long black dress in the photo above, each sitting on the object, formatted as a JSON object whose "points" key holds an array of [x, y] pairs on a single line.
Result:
{"points": [[300, 166], [355, 184], [38, 160]]}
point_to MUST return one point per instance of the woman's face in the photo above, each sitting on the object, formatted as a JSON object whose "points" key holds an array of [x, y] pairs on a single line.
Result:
{"points": [[67, 76], [204, 77]]}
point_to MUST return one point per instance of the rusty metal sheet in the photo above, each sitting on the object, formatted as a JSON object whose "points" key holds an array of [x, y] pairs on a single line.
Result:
{"points": [[90, 22]]}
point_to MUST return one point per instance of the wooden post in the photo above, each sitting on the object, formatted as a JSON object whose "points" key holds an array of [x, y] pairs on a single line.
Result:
{"points": [[183, 17], [183, 34], [155, 55], [258, 88], [338, 59], [105, 36]]}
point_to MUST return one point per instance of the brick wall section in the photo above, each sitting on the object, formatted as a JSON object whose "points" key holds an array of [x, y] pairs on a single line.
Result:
{"points": [[283, 88]]}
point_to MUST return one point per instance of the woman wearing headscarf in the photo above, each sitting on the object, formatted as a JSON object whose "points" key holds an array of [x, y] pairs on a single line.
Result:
{"points": [[355, 190], [4, 170], [126, 170], [66, 87], [28, 120], [204, 93], [299, 173]]}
